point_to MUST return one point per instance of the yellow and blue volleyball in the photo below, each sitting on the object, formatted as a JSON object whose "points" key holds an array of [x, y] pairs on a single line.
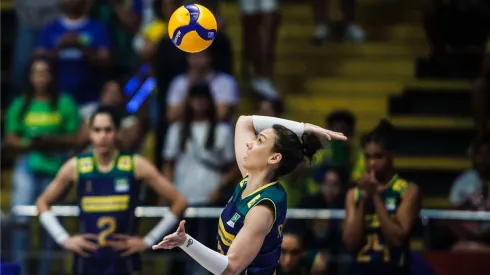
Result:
{"points": [[192, 28]]}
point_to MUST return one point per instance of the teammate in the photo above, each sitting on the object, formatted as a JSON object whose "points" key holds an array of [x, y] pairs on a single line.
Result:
{"points": [[250, 226], [381, 211], [107, 191], [295, 259]]}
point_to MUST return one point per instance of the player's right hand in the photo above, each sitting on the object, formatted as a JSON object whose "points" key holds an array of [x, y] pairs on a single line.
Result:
{"points": [[323, 134], [80, 244], [173, 240]]}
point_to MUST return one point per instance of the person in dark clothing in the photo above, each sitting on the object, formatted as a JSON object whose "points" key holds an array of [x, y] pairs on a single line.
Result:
{"points": [[325, 235]]}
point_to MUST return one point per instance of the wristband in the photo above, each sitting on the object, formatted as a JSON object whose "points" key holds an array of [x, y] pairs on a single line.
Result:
{"points": [[53, 226]]}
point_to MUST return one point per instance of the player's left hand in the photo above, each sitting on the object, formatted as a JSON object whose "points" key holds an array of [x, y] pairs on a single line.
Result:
{"points": [[127, 244], [173, 240]]}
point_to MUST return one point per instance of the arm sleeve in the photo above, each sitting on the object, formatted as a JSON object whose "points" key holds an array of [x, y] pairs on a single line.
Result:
{"points": [[44, 39]]}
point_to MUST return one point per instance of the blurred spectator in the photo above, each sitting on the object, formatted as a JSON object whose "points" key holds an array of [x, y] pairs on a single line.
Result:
{"points": [[326, 235], [339, 153], [295, 259], [200, 160], [201, 144], [323, 33], [32, 16], [456, 24], [223, 87], [260, 23], [81, 46], [471, 192], [170, 61], [270, 107], [124, 20], [133, 127], [154, 32], [41, 125]]}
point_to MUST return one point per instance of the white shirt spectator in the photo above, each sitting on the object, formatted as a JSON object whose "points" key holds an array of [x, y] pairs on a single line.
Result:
{"points": [[468, 188], [195, 175], [223, 88]]}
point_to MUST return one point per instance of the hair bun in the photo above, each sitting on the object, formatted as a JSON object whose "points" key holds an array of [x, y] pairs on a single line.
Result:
{"points": [[310, 144]]}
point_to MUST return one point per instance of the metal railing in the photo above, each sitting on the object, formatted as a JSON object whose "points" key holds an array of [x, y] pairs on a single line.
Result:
{"points": [[214, 212]]}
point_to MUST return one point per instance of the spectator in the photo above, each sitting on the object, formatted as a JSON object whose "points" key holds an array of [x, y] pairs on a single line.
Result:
{"points": [[32, 16], [41, 125], [260, 22], [456, 24], [223, 87], [82, 48], [326, 235], [323, 33], [295, 259], [199, 143], [339, 153], [270, 107], [471, 192], [124, 20], [133, 127]]}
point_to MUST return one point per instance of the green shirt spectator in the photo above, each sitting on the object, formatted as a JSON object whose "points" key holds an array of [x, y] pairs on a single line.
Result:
{"points": [[40, 119]]}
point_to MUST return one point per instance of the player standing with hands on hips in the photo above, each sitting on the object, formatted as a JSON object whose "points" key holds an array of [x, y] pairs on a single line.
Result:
{"points": [[108, 184], [250, 226]]}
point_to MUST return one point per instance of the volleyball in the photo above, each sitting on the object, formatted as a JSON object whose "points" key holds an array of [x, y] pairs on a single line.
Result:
{"points": [[192, 28]]}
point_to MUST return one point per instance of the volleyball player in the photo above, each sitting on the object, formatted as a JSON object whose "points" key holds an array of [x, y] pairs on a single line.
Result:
{"points": [[381, 210], [107, 190], [250, 226]]}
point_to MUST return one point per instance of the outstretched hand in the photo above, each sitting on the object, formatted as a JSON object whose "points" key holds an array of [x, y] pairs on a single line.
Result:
{"points": [[323, 134], [173, 240]]}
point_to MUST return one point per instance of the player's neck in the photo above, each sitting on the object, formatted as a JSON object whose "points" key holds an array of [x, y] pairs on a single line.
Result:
{"points": [[386, 179], [256, 180], [105, 159]]}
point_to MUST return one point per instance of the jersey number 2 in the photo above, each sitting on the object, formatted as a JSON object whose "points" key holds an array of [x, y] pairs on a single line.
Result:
{"points": [[109, 223]]}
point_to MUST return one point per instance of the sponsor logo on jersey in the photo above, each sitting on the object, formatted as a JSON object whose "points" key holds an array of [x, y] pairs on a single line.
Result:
{"points": [[390, 204], [233, 220], [121, 185]]}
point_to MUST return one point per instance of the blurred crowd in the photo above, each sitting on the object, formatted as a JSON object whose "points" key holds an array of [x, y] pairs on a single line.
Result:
{"points": [[72, 56]]}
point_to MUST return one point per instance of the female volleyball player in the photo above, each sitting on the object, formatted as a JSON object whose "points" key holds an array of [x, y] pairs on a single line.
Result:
{"points": [[381, 211], [108, 184], [250, 226]]}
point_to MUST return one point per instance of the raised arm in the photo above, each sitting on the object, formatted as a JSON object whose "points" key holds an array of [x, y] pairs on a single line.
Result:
{"points": [[248, 126], [162, 186], [244, 132]]}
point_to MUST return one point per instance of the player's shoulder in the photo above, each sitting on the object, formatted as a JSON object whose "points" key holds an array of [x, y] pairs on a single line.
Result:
{"points": [[401, 185], [276, 194]]}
